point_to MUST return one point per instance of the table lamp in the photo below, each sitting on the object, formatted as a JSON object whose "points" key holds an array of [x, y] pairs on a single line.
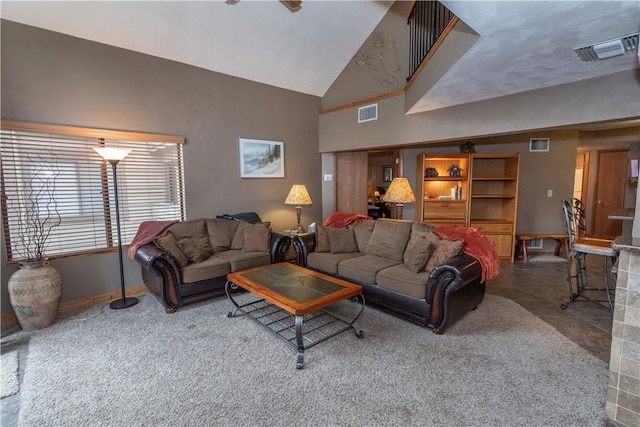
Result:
{"points": [[298, 196], [399, 192]]}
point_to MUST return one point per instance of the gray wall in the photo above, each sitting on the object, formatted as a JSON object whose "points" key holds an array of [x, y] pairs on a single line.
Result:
{"points": [[48, 77]]}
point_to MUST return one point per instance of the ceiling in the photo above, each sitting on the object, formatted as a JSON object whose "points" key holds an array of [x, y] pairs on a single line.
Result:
{"points": [[524, 45]]}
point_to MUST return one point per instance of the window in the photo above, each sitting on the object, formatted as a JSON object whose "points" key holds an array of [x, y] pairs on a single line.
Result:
{"points": [[54, 169]]}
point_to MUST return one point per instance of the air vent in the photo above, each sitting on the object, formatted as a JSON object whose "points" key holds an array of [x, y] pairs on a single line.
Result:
{"points": [[608, 48], [539, 144], [368, 113]]}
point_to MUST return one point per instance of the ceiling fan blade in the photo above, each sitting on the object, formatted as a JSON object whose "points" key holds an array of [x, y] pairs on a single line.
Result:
{"points": [[293, 5]]}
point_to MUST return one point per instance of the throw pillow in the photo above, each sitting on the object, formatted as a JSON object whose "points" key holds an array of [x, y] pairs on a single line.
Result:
{"points": [[256, 239], [322, 239], [363, 232], [342, 240], [195, 251], [167, 243], [443, 250], [417, 254], [389, 239], [238, 238], [221, 233]]}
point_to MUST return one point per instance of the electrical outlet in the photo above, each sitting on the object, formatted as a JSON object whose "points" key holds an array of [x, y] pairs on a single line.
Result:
{"points": [[549, 193], [328, 177]]}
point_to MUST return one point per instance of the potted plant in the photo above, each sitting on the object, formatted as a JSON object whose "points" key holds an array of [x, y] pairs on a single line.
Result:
{"points": [[35, 288]]}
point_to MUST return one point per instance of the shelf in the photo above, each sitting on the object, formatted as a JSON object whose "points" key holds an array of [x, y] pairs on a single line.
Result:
{"points": [[491, 221], [492, 196], [445, 200], [494, 178], [446, 178]]}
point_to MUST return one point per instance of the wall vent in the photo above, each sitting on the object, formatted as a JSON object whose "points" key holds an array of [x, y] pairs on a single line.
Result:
{"points": [[534, 244], [608, 48], [539, 144], [368, 113]]}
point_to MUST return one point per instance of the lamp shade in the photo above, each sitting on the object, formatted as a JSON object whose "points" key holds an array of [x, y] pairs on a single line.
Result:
{"points": [[399, 192], [112, 154], [298, 195]]}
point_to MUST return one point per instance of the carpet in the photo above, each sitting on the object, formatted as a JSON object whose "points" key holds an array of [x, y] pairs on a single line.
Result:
{"points": [[9, 384], [499, 365]]}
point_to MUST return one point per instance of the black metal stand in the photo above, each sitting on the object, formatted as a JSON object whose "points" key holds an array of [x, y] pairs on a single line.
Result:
{"points": [[319, 325], [582, 282], [123, 302]]}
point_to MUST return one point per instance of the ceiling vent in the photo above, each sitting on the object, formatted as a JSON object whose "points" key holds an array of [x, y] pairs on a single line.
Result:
{"points": [[539, 144], [608, 48], [368, 113]]}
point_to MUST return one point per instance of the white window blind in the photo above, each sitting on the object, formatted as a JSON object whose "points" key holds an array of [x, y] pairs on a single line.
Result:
{"points": [[54, 170]]}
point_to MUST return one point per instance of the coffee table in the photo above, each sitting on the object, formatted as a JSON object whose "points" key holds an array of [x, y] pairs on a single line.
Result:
{"points": [[290, 302]]}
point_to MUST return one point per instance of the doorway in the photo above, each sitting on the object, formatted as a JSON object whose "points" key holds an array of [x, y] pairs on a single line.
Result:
{"points": [[611, 187]]}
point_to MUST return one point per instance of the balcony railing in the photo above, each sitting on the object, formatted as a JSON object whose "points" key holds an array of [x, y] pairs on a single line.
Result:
{"points": [[427, 21]]}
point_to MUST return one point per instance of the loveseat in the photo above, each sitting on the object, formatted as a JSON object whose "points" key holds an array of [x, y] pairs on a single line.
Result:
{"points": [[189, 260], [404, 267]]}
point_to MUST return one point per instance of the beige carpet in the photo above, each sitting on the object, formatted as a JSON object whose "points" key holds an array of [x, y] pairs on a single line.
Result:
{"points": [[9, 383], [499, 366]]}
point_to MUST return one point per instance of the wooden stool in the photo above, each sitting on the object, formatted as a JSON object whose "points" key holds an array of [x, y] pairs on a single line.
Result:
{"points": [[562, 242]]}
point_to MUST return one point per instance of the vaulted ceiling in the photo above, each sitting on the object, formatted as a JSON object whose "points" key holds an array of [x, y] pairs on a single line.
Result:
{"points": [[523, 45]]}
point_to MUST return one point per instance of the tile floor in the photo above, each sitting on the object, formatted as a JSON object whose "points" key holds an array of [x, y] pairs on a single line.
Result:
{"points": [[540, 287]]}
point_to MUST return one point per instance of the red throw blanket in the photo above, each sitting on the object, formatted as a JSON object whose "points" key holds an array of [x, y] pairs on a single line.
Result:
{"points": [[477, 245], [342, 219], [146, 232]]}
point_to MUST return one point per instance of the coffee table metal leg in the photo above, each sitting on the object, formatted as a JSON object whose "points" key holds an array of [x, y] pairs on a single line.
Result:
{"points": [[299, 343]]}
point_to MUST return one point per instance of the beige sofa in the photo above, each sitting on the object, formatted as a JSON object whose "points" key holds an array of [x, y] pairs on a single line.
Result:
{"points": [[404, 267]]}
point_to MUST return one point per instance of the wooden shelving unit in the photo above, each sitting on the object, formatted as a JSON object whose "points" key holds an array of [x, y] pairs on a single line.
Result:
{"points": [[439, 205], [488, 199], [494, 199]]}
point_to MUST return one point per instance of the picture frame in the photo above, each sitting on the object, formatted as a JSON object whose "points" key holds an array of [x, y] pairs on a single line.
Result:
{"points": [[387, 173], [261, 158]]}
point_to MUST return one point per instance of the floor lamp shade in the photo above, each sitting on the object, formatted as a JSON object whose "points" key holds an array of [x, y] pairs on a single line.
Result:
{"points": [[298, 196], [399, 192], [114, 156]]}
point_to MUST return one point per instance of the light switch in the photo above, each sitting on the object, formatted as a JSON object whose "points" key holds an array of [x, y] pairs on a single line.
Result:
{"points": [[328, 177], [549, 193]]}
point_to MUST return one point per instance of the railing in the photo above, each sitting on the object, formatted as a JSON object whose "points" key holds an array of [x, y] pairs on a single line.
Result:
{"points": [[426, 22]]}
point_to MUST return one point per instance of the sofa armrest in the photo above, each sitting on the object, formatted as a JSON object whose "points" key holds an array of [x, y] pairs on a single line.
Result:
{"points": [[452, 276], [279, 246], [304, 244], [147, 255]]}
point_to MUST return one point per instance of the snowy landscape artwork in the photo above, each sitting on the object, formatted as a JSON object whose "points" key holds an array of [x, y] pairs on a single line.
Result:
{"points": [[260, 158]]}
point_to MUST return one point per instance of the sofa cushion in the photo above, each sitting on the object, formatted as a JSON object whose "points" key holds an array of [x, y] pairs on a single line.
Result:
{"points": [[364, 268], [256, 239], [421, 227], [238, 237], [342, 240], [328, 262], [192, 228], [239, 260], [207, 269], [196, 249], [167, 243], [417, 254], [322, 239], [399, 279], [389, 239], [221, 232], [363, 231], [443, 250]]}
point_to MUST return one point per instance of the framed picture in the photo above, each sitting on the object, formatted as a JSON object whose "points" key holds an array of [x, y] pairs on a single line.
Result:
{"points": [[387, 173], [260, 158]]}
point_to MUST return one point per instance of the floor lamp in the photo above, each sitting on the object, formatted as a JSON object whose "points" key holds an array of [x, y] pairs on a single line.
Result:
{"points": [[114, 156], [399, 192]]}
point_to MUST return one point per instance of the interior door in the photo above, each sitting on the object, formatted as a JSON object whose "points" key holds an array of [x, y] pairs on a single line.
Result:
{"points": [[351, 182], [610, 191]]}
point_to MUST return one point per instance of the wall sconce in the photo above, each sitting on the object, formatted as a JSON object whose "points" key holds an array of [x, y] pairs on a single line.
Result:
{"points": [[298, 196]]}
